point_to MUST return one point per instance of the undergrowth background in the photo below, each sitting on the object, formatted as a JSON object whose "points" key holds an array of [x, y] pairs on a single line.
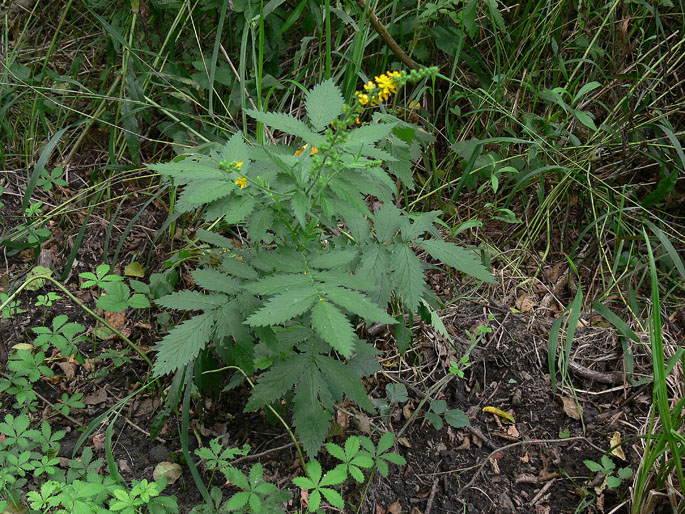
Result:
{"points": [[558, 147]]}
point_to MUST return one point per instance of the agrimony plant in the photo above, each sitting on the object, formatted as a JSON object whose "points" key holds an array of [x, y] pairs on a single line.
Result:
{"points": [[313, 257]]}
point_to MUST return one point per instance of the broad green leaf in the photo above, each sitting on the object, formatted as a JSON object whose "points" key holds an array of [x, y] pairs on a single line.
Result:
{"points": [[324, 104], [457, 418], [289, 125], [585, 118], [138, 301], [191, 301], [284, 306], [357, 304], [458, 258], [408, 272], [396, 393], [116, 298], [182, 344], [213, 280], [334, 327]]}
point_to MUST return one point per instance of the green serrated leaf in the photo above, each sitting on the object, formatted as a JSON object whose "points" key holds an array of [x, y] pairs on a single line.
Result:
{"points": [[258, 223], [311, 420], [191, 301], [334, 259], [334, 327], [238, 268], [289, 125], [188, 170], [284, 306], [324, 104], [387, 221], [277, 381], [213, 280], [340, 378], [408, 273], [422, 223], [182, 344], [300, 204], [358, 304], [278, 283], [369, 134], [458, 258]]}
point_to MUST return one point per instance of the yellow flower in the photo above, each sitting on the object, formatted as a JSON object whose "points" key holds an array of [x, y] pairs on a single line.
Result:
{"points": [[362, 98], [387, 86], [369, 85], [242, 182], [311, 152], [414, 105], [238, 165]]}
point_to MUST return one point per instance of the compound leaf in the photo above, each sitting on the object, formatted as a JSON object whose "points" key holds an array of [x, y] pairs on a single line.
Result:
{"points": [[457, 257], [182, 344], [288, 124], [284, 306], [358, 304], [408, 272], [334, 327]]}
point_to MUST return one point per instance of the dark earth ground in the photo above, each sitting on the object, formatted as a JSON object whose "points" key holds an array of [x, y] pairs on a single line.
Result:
{"points": [[532, 466]]}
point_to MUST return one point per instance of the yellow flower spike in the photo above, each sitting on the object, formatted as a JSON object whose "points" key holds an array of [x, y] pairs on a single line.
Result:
{"points": [[242, 182]]}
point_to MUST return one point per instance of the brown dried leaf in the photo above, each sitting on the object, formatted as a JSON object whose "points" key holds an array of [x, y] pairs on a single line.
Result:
{"points": [[571, 408], [395, 508], [618, 451], [524, 303], [95, 398]]}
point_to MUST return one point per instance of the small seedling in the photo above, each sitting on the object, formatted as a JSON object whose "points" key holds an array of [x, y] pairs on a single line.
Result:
{"points": [[606, 466]]}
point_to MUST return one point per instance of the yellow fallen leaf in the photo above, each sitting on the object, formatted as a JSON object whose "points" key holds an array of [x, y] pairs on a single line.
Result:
{"points": [[500, 413], [616, 441]]}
